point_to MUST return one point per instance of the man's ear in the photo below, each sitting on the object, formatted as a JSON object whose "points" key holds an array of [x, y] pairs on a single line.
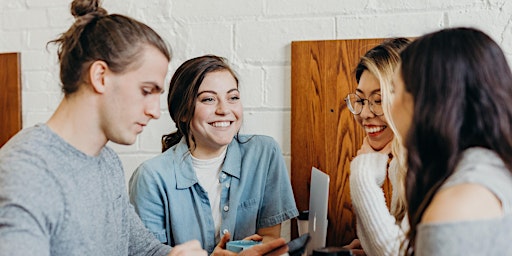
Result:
{"points": [[97, 72]]}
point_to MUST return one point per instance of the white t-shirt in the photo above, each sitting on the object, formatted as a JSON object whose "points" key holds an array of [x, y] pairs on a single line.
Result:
{"points": [[207, 172]]}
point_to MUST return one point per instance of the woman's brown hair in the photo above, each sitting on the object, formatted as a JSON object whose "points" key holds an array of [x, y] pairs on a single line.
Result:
{"points": [[460, 82], [182, 96]]}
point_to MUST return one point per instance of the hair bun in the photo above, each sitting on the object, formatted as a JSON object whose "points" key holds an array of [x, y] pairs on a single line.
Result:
{"points": [[81, 8]]}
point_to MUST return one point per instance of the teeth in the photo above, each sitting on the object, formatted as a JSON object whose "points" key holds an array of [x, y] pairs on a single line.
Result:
{"points": [[374, 129], [220, 124]]}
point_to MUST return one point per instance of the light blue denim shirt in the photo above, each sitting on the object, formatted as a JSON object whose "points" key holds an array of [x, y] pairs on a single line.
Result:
{"points": [[256, 193]]}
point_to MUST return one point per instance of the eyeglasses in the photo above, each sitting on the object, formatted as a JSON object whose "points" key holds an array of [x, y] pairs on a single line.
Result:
{"points": [[355, 104]]}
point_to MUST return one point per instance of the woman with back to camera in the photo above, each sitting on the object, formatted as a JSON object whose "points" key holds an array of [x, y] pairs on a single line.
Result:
{"points": [[452, 104], [210, 181], [380, 223]]}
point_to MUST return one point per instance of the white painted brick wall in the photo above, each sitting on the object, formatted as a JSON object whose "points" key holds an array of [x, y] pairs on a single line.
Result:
{"points": [[254, 35]]}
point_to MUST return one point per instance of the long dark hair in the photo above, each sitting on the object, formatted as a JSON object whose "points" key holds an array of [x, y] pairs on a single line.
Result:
{"points": [[461, 85], [183, 89]]}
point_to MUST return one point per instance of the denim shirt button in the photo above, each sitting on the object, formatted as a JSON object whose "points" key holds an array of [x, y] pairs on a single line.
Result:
{"points": [[224, 231], [223, 176], [227, 185], [226, 208]]}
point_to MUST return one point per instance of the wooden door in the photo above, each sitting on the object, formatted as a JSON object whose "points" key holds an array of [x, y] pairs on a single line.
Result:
{"points": [[324, 133], [10, 96]]}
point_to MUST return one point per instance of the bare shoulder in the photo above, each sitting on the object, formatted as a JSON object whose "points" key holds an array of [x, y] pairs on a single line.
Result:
{"points": [[463, 202]]}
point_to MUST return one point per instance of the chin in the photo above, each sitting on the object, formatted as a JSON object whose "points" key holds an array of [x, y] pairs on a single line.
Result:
{"points": [[224, 142], [377, 145], [124, 141]]}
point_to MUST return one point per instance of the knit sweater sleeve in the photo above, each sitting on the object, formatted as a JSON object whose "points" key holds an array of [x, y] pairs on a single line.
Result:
{"points": [[376, 227]]}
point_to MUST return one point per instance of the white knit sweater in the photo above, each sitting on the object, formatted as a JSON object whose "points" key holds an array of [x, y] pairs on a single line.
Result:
{"points": [[377, 229]]}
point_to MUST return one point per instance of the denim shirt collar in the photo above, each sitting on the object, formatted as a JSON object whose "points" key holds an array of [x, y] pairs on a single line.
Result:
{"points": [[186, 176]]}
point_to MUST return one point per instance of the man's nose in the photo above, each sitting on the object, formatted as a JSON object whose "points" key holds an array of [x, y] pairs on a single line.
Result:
{"points": [[153, 108]]}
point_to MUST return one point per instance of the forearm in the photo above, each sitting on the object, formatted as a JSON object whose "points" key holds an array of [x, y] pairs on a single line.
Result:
{"points": [[270, 233]]}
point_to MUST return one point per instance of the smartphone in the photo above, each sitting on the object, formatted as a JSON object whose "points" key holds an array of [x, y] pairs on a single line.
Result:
{"points": [[297, 246]]}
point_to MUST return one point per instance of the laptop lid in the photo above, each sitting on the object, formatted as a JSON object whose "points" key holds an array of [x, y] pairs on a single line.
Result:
{"points": [[318, 202]]}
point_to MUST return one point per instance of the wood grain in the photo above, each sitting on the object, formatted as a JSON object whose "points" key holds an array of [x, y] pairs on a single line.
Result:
{"points": [[324, 133], [10, 96]]}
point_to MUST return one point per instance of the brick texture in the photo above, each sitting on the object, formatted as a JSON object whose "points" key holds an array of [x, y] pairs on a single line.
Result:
{"points": [[254, 35]]}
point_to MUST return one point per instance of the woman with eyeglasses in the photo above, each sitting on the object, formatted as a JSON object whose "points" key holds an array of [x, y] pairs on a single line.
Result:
{"points": [[379, 216]]}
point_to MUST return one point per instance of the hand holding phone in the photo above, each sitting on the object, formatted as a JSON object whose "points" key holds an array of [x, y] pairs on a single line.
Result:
{"points": [[297, 246]]}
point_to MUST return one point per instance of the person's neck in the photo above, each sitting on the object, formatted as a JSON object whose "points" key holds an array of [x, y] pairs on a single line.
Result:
{"points": [[75, 120], [206, 153]]}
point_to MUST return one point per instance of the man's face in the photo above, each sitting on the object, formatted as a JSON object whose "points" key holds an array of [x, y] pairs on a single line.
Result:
{"points": [[132, 98]]}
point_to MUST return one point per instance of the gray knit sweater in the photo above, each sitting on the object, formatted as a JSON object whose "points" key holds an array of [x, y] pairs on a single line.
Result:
{"points": [[56, 200], [481, 237]]}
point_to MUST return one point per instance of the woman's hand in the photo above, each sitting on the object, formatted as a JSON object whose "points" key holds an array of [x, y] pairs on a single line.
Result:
{"points": [[272, 248], [366, 148], [355, 247], [275, 247], [220, 249], [254, 237], [359, 172]]}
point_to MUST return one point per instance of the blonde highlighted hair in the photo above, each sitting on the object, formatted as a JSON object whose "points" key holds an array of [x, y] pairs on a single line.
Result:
{"points": [[381, 62]]}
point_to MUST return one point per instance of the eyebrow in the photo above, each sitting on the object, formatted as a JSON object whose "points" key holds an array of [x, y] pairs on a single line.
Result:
{"points": [[214, 92]]}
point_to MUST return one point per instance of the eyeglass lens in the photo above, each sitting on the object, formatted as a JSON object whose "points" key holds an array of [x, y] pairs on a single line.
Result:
{"points": [[356, 103]]}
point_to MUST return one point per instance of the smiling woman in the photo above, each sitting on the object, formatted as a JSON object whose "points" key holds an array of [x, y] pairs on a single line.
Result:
{"points": [[380, 220], [218, 115], [211, 182]]}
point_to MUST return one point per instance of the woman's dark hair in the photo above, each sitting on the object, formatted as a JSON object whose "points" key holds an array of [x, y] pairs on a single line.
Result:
{"points": [[461, 85], [96, 35], [182, 96]]}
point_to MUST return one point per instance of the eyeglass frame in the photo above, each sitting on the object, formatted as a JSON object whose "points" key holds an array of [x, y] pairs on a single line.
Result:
{"points": [[370, 104]]}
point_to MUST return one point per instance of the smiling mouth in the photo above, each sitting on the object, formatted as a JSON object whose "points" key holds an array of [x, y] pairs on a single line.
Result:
{"points": [[220, 124], [374, 129]]}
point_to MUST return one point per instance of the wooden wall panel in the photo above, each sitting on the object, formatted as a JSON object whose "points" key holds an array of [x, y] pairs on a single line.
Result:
{"points": [[324, 133], [10, 96]]}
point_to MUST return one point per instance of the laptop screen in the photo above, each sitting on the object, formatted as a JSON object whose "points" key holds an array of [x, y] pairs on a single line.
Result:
{"points": [[318, 203]]}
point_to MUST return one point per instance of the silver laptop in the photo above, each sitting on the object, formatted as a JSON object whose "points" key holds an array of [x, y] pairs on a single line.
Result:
{"points": [[318, 202]]}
